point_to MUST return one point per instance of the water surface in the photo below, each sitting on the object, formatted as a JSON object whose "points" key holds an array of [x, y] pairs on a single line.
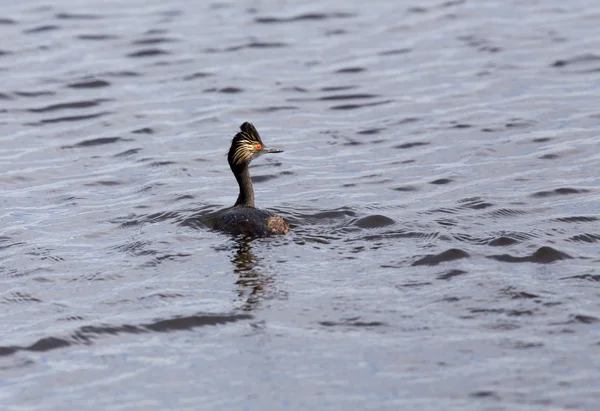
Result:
{"points": [[440, 173]]}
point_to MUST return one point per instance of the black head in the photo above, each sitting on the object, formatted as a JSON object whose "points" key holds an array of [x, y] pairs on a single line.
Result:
{"points": [[246, 146]]}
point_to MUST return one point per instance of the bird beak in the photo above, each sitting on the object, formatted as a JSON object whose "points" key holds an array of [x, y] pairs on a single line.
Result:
{"points": [[271, 150]]}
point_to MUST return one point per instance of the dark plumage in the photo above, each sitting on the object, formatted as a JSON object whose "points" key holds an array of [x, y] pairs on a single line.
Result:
{"points": [[243, 217]]}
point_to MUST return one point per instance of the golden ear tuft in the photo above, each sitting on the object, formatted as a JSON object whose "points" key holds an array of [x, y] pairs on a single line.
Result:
{"points": [[245, 144]]}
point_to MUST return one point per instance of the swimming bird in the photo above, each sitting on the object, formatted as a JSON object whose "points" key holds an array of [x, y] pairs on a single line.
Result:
{"points": [[244, 217]]}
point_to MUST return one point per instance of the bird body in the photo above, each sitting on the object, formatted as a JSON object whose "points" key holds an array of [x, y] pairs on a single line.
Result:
{"points": [[244, 217], [250, 221]]}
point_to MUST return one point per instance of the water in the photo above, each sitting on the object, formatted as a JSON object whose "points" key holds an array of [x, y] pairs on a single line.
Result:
{"points": [[440, 174]]}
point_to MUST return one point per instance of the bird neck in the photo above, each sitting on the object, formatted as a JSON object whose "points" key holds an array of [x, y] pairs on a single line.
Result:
{"points": [[246, 197]]}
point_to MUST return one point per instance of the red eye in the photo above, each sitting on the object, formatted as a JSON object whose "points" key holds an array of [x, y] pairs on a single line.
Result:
{"points": [[258, 146]]}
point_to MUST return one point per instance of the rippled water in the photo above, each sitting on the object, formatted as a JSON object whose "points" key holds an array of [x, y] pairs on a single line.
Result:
{"points": [[440, 173]]}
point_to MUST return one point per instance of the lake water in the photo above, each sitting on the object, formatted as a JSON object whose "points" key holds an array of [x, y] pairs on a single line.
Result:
{"points": [[440, 173]]}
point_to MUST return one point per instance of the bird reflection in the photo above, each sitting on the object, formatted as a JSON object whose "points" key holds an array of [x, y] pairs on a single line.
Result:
{"points": [[253, 286]]}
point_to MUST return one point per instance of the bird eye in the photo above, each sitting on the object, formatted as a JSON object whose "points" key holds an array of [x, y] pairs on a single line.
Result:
{"points": [[258, 146]]}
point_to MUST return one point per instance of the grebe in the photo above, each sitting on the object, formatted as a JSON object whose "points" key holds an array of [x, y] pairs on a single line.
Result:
{"points": [[243, 217]]}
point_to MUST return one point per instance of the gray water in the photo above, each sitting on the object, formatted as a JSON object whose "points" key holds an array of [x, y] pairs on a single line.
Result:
{"points": [[440, 176]]}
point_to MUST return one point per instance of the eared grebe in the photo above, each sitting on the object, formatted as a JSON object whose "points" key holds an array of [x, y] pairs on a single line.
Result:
{"points": [[243, 217]]}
